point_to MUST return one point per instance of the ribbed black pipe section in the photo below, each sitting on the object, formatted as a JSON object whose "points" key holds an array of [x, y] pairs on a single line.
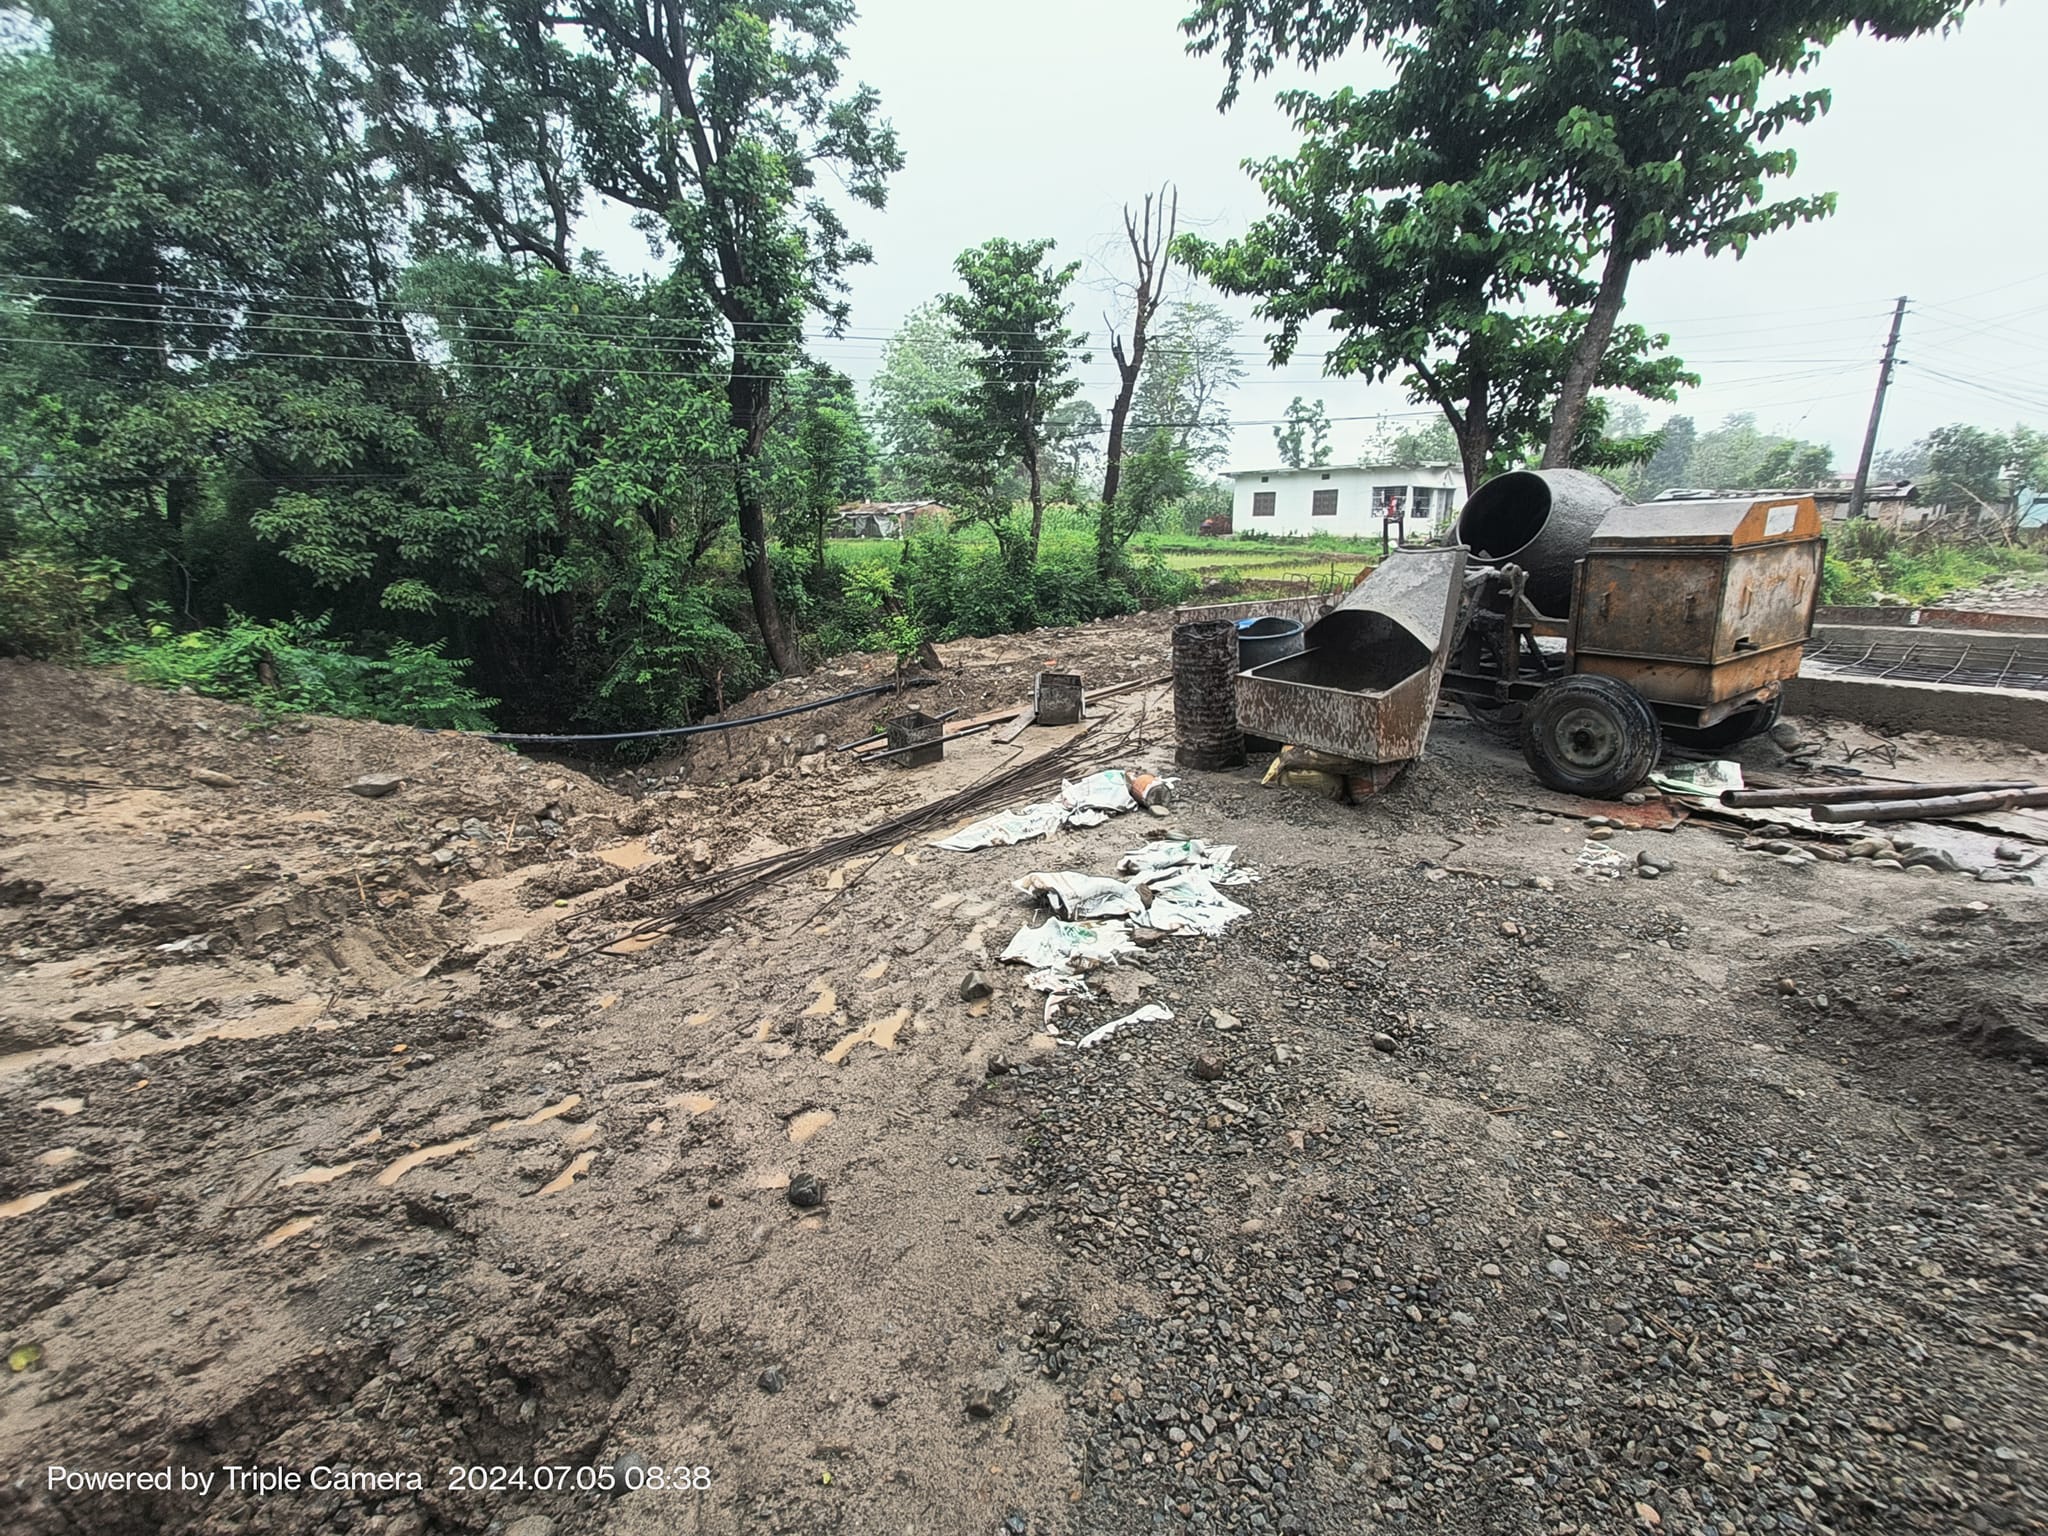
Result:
{"points": [[1205, 695]]}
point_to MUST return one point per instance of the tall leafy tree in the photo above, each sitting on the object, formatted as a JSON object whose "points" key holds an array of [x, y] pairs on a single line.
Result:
{"points": [[1969, 467], [1739, 456], [822, 455], [1190, 370], [464, 103], [924, 366], [1431, 443], [1642, 128], [199, 294], [716, 122], [1408, 217], [1668, 465], [1303, 439], [1013, 313], [1156, 476], [1670, 121], [1070, 433]]}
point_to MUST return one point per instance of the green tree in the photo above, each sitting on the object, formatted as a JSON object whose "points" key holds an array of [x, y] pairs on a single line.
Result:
{"points": [[1968, 467], [201, 303], [1156, 476], [1671, 121], [1640, 128], [1431, 443], [1190, 370], [1070, 433], [1013, 315], [1304, 438], [1615, 441], [591, 472], [462, 105], [822, 457], [1410, 217], [1669, 465], [924, 367], [715, 123], [1739, 457]]}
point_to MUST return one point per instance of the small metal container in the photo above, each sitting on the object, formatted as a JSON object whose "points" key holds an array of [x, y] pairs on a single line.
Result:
{"points": [[916, 740], [1268, 639], [1057, 699]]}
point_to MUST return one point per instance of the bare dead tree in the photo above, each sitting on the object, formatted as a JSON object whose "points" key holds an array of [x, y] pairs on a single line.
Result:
{"points": [[1151, 237]]}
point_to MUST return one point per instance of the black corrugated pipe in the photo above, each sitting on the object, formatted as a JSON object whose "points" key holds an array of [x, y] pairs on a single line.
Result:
{"points": [[1542, 520], [1205, 695]]}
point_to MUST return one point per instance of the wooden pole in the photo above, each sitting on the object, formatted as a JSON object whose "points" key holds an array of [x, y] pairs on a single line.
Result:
{"points": [[1884, 380], [1862, 792], [1933, 809]]}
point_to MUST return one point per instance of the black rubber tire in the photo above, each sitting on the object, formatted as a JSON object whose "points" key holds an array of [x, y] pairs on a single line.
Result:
{"points": [[1501, 719], [1738, 727], [1590, 735]]}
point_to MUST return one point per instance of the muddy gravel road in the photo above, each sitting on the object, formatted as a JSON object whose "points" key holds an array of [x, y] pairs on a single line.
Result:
{"points": [[354, 1176]]}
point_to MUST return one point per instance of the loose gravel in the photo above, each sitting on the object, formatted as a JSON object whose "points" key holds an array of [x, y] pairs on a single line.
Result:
{"points": [[1748, 1259]]}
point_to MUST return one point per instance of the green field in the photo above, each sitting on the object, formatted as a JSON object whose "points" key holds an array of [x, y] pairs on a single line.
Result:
{"points": [[1324, 562], [1321, 562]]}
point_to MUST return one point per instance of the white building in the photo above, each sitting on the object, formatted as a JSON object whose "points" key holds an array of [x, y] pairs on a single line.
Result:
{"points": [[1349, 500]]}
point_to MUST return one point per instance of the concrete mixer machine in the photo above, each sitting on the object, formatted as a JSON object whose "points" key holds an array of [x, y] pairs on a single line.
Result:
{"points": [[1594, 628]]}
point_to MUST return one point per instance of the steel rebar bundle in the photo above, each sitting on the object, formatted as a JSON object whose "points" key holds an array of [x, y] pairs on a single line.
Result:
{"points": [[723, 889]]}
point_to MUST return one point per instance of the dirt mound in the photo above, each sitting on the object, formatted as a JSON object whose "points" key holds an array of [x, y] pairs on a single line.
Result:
{"points": [[173, 867], [1972, 976]]}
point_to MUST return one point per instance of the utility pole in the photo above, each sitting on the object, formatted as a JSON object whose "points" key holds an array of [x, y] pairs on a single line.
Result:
{"points": [[1884, 379]]}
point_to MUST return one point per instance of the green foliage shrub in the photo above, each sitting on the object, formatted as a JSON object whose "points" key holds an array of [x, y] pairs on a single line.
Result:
{"points": [[1867, 561], [291, 667], [48, 607]]}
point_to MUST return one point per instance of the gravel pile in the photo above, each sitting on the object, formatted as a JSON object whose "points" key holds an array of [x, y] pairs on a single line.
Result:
{"points": [[1424, 1235]]}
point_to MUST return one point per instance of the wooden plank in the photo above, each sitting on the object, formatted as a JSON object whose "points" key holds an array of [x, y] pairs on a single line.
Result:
{"points": [[1012, 731]]}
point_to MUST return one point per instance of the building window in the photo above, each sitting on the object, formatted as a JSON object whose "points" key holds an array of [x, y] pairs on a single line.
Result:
{"points": [[1262, 503], [1419, 503], [1324, 505]]}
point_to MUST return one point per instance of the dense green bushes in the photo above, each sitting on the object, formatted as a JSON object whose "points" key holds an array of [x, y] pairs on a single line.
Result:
{"points": [[955, 588], [1867, 562], [48, 607], [290, 667]]}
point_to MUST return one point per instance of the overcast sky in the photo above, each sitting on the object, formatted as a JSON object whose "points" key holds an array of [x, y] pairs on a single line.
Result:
{"points": [[1043, 118]]}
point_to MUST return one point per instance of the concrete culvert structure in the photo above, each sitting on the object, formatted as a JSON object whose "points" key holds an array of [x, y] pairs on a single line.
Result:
{"points": [[1542, 520]]}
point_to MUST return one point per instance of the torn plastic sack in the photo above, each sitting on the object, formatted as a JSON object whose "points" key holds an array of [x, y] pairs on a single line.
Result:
{"points": [[1151, 1013], [1600, 859], [1107, 791], [1700, 781], [1186, 901], [1191, 854], [1060, 988], [1076, 895], [1006, 829], [1059, 945]]}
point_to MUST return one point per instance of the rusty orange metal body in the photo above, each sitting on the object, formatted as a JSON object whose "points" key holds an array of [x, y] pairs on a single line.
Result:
{"points": [[1703, 607]]}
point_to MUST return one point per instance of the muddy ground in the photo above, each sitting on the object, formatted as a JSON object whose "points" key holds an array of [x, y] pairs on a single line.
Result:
{"points": [[1463, 1192]]}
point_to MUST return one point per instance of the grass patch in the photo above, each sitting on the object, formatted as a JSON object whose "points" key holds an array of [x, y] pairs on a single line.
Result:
{"points": [[1862, 569]]}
